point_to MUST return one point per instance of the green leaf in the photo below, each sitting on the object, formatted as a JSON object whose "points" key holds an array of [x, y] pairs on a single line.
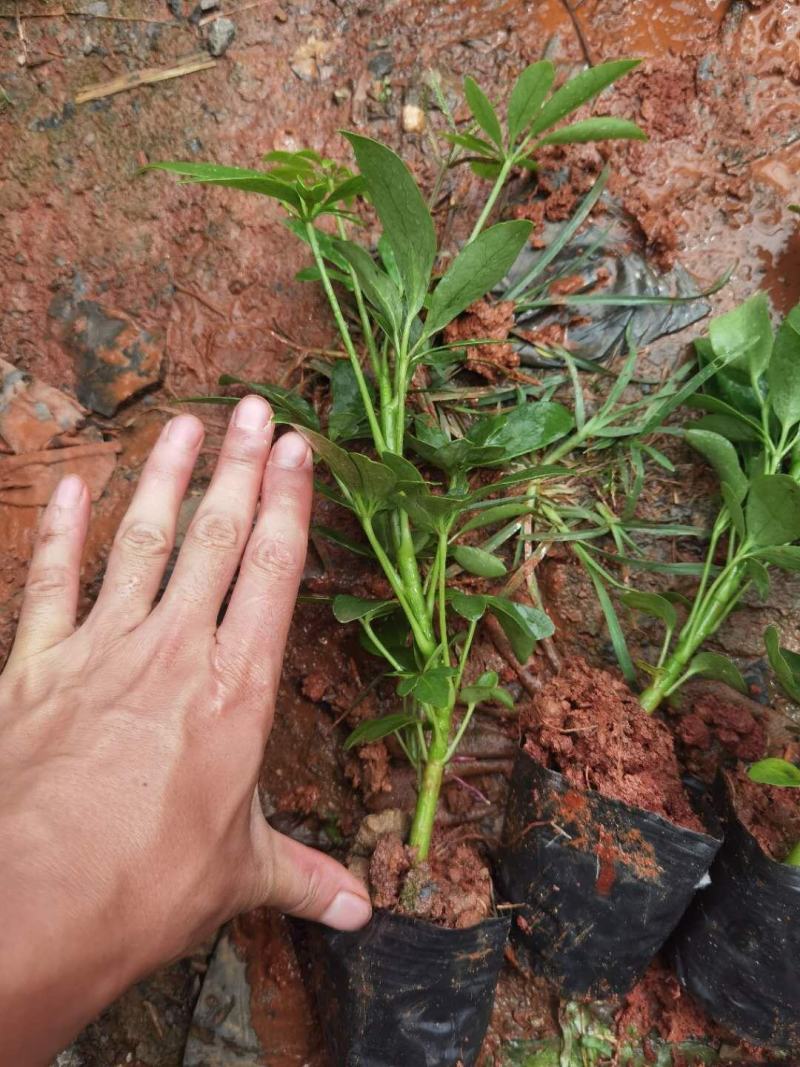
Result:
{"points": [[787, 557], [475, 271], [772, 510], [722, 456], [522, 625], [485, 169], [744, 335], [734, 510], [371, 483], [652, 604], [483, 111], [349, 608], [527, 96], [477, 561], [783, 373], [348, 416], [713, 665], [406, 221], [250, 181], [469, 606], [525, 429], [759, 576], [598, 128], [377, 286], [732, 429], [784, 662], [475, 144], [485, 690], [287, 405], [580, 89], [501, 513], [779, 772], [375, 729], [428, 687]]}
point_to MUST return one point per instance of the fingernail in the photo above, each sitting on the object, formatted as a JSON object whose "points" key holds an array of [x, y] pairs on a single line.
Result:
{"points": [[252, 414], [186, 431], [69, 491], [347, 912], [290, 451]]}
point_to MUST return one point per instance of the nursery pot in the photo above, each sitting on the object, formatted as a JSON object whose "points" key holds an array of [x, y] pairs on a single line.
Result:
{"points": [[402, 992], [601, 884], [737, 950]]}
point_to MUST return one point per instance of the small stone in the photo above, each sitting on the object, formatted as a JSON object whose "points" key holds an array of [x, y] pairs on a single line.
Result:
{"points": [[342, 94], [34, 415], [209, 5], [280, 15], [175, 8], [413, 118], [96, 7], [375, 826], [306, 58], [381, 64], [221, 33], [115, 358]]}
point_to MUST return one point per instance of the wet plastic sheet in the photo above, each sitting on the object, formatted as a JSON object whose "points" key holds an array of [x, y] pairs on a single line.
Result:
{"points": [[602, 884], [737, 950], [403, 992]]}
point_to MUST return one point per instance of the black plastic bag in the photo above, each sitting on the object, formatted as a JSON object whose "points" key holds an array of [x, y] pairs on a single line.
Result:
{"points": [[403, 992], [602, 884], [737, 950]]}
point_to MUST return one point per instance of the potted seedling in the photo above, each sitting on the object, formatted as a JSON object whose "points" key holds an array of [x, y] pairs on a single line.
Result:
{"points": [[408, 989], [738, 949]]}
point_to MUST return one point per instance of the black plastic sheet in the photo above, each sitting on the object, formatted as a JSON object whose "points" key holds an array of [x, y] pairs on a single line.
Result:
{"points": [[602, 884], [403, 992], [737, 950]]}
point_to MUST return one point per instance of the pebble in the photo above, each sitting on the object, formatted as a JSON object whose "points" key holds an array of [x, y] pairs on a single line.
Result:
{"points": [[221, 33], [381, 64], [413, 118]]}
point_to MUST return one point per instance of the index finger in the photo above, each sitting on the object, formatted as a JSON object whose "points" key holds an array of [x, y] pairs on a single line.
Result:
{"points": [[252, 636]]}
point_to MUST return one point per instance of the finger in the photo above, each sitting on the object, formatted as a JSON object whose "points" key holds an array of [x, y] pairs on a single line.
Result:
{"points": [[218, 533], [50, 599], [308, 884], [146, 535], [253, 633]]}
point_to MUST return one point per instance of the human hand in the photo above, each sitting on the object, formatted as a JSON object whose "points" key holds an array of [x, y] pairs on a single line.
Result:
{"points": [[130, 747]]}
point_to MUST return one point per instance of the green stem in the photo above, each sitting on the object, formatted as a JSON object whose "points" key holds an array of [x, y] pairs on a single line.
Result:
{"points": [[421, 630], [716, 606], [347, 340], [428, 799], [490, 202], [451, 751], [793, 859], [443, 598]]}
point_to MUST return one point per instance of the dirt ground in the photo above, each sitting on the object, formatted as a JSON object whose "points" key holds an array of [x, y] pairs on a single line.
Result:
{"points": [[125, 292]]}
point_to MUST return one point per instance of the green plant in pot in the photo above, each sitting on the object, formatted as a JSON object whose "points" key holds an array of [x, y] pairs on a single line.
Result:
{"points": [[418, 527]]}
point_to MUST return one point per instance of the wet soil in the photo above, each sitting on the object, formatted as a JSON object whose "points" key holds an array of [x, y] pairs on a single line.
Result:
{"points": [[587, 725], [771, 814], [657, 1004], [718, 727], [207, 277]]}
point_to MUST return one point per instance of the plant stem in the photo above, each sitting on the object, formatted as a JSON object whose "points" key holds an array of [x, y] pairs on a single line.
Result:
{"points": [[490, 202], [428, 798], [346, 338], [715, 607], [793, 859]]}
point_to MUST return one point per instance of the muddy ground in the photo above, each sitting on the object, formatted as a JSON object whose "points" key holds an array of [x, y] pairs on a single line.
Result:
{"points": [[200, 282]]}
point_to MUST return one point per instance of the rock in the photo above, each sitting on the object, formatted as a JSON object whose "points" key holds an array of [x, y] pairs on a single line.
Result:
{"points": [[306, 58], [375, 826], [175, 8], [381, 64], [413, 118], [209, 5], [97, 7], [115, 358], [33, 415], [29, 480], [221, 33]]}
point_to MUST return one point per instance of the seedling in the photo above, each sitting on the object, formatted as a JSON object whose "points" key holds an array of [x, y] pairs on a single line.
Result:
{"points": [[784, 775], [416, 529], [750, 434]]}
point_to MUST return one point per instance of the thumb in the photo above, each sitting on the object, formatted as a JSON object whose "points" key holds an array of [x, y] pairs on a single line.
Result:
{"points": [[308, 884]]}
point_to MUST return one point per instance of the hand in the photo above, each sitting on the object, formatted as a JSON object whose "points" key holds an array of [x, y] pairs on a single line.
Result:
{"points": [[130, 747]]}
